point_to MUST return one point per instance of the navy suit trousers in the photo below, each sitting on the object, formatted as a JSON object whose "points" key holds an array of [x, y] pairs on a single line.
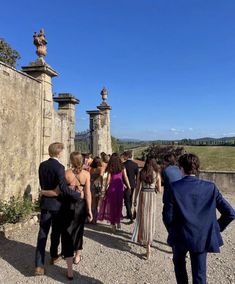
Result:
{"points": [[48, 219], [198, 265]]}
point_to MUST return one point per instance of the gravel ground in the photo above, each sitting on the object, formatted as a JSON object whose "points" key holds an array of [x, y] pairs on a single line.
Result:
{"points": [[111, 258]]}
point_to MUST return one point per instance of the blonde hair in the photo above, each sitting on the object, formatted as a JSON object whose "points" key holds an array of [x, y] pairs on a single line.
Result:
{"points": [[54, 149], [76, 160]]}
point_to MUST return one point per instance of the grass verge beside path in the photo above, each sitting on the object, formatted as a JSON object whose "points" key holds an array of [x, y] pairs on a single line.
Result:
{"points": [[220, 158]]}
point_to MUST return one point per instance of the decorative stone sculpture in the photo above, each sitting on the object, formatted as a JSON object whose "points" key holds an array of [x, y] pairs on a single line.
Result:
{"points": [[40, 42], [104, 94]]}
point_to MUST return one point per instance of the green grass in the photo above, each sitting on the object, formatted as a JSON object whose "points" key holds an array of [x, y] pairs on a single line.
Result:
{"points": [[214, 157], [219, 158]]}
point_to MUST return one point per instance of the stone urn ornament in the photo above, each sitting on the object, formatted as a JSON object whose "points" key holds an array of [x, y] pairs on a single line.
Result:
{"points": [[40, 42], [104, 94]]}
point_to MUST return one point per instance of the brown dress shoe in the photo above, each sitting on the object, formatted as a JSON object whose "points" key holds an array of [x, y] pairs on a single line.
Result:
{"points": [[55, 260], [39, 271]]}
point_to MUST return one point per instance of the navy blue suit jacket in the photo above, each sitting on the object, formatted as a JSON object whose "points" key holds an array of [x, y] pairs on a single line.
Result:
{"points": [[190, 215], [170, 174], [51, 175]]}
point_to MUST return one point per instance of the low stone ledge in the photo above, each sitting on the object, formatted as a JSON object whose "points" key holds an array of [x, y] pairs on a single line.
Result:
{"points": [[8, 229]]}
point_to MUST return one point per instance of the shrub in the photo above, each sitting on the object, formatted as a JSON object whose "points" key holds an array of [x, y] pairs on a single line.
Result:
{"points": [[158, 152], [16, 209]]}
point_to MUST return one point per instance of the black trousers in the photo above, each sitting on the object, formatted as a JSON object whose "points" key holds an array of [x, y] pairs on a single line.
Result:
{"points": [[128, 202], [48, 219], [198, 266]]}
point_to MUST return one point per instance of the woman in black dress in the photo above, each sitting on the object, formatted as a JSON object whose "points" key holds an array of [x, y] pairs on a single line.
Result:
{"points": [[74, 213]]}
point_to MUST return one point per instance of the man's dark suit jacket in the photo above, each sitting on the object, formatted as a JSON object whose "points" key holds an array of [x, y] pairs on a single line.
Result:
{"points": [[51, 175], [132, 170], [190, 215]]}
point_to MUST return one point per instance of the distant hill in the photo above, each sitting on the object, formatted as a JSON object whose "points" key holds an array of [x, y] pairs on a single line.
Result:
{"points": [[203, 139]]}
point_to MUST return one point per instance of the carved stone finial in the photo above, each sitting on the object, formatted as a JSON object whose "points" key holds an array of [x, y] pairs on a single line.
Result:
{"points": [[104, 94], [40, 42]]}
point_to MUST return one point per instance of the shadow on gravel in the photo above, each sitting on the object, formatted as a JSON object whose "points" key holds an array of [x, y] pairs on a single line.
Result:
{"points": [[107, 229], [110, 240], [58, 273], [21, 257], [159, 248]]}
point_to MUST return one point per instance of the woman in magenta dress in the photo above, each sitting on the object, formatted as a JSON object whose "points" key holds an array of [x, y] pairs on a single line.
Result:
{"points": [[111, 207]]}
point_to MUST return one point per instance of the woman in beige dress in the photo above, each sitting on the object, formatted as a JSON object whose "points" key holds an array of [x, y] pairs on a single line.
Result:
{"points": [[148, 184]]}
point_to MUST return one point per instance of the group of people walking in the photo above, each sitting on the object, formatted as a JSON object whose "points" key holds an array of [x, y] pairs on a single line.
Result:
{"points": [[94, 189]]}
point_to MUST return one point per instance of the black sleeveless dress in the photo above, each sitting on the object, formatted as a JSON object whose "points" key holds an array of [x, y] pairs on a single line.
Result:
{"points": [[74, 214]]}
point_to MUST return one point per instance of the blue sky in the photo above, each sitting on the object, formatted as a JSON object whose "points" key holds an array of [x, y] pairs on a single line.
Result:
{"points": [[169, 65]]}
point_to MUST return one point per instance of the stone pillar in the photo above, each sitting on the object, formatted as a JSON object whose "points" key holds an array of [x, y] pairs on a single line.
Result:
{"points": [[105, 139], [95, 132], [66, 107], [100, 127], [43, 72]]}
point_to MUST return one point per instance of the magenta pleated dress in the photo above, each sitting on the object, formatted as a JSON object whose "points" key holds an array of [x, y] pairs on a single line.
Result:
{"points": [[111, 207]]}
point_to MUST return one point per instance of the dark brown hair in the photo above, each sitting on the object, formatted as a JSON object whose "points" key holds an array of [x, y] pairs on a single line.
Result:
{"points": [[96, 163], [190, 163], [147, 173], [170, 158], [115, 164], [127, 154]]}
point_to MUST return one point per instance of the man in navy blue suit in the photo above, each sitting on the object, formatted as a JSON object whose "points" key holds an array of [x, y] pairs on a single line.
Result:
{"points": [[51, 176], [190, 218], [170, 173]]}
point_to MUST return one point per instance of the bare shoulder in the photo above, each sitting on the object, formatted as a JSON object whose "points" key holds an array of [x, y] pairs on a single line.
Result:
{"points": [[69, 172], [69, 175], [84, 175]]}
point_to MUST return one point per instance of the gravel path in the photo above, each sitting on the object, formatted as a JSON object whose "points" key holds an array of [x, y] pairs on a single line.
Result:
{"points": [[111, 258]]}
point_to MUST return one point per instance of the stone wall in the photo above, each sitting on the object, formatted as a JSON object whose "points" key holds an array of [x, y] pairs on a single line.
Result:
{"points": [[28, 124], [20, 132], [225, 180]]}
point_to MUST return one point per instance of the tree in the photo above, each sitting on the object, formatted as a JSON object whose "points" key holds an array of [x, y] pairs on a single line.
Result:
{"points": [[8, 55], [158, 152], [115, 146]]}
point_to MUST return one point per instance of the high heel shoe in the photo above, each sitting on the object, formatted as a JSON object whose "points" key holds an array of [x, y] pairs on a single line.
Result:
{"points": [[75, 260], [114, 228], [148, 252]]}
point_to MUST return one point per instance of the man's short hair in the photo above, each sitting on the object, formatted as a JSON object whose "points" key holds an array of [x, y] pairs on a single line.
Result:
{"points": [[54, 149], [127, 154], [170, 158], [190, 163]]}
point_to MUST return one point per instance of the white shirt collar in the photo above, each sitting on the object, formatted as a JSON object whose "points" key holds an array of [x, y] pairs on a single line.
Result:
{"points": [[55, 159]]}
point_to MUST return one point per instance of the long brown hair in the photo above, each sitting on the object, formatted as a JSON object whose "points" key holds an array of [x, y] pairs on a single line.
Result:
{"points": [[147, 173], [76, 160], [96, 163], [115, 164]]}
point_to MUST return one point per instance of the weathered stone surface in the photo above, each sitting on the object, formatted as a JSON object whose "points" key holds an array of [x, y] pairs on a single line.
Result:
{"points": [[224, 180], [28, 124], [20, 126], [100, 127]]}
